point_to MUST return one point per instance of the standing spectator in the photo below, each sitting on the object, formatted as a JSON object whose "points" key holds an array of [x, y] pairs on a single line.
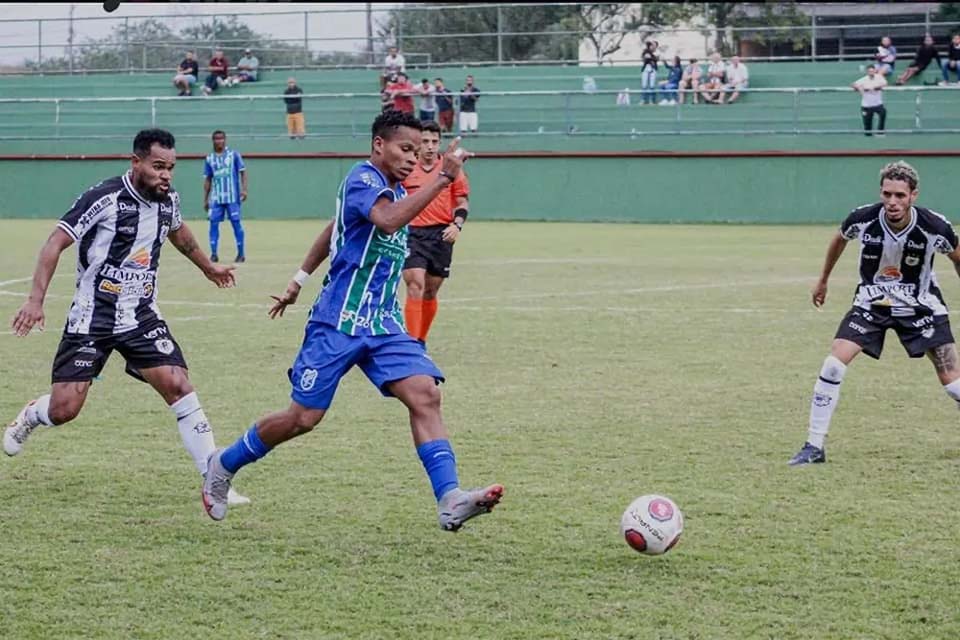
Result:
{"points": [[953, 59], [668, 88], [870, 87], [401, 93], [444, 105], [225, 173], [738, 79], [218, 68], [247, 67], [712, 90], [428, 101], [648, 73], [886, 56], [393, 64], [187, 74], [691, 80], [294, 102], [926, 54], [469, 95]]}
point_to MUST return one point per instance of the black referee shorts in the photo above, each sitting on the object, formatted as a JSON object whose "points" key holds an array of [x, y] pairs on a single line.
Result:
{"points": [[427, 250]]}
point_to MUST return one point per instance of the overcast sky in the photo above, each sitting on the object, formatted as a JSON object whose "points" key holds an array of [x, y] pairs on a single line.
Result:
{"points": [[19, 39]]}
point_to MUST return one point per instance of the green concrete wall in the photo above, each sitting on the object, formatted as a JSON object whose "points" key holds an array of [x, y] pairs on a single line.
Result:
{"points": [[756, 190]]}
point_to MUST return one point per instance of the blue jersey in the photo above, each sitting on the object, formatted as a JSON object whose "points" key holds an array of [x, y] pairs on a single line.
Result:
{"points": [[359, 295], [224, 172]]}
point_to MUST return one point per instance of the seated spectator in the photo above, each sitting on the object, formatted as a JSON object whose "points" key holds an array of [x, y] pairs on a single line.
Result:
{"points": [[926, 54], [392, 65], [218, 67], [444, 105], [738, 78], [953, 60], [247, 68], [886, 56], [668, 87], [691, 80], [428, 100], [187, 74], [712, 89], [401, 92]]}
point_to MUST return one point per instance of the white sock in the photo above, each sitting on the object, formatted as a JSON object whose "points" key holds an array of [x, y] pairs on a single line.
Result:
{"points": [[826, 394], [195, 430], [38, 413], [953, 390]]}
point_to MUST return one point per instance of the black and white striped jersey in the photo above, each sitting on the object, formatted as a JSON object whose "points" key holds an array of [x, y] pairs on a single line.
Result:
{"points": [[119, 235], [896, 268]]}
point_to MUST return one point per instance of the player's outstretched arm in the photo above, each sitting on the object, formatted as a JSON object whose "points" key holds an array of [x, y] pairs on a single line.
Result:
{"points": [[30, 312], [185, 242], [318, 252], [391, 216], [834, 250]]}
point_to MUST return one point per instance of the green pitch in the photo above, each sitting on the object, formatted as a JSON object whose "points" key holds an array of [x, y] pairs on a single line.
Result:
{"points": [[587, 365]]}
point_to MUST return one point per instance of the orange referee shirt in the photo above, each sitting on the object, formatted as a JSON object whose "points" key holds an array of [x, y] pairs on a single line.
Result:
{"points": [[440, 209]]}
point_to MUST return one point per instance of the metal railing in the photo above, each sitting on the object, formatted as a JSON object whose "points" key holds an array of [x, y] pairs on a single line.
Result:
{"points": [[794, 111], [819, 41]]}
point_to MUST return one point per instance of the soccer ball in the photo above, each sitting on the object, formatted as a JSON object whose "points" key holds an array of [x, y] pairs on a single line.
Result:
{"points": [[652, 524]]}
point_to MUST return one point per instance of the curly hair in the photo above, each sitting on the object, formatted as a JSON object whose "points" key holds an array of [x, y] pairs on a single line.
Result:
{"points": [[149, 137], [900, 170], [387, 123]]}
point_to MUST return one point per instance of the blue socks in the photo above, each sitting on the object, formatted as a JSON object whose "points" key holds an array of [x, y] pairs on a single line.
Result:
{"points": [[440, 464], [238, 234], [214, 237], [248, 448]]}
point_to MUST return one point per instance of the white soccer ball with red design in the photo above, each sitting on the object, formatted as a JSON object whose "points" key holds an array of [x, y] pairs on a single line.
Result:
{"points": [[652, 524]]}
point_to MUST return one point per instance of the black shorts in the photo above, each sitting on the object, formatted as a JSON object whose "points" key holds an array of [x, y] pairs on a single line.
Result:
{"points": [[918, 333], [427, 250], [82, 358]]}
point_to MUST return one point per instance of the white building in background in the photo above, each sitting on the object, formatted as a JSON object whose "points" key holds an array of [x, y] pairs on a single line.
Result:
{"points": [[687, 41]]}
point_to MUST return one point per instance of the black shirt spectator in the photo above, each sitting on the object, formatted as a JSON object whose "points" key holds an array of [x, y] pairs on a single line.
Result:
{"points": [[189, 66], [294, 102], [468, 97]]}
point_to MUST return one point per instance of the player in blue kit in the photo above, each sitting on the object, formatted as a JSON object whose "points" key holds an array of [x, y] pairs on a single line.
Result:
{"points": [[224, 188], [356, 320]]}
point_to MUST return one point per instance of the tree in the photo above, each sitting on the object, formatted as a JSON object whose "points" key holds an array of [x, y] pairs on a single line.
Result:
{"points": [[949, 12], [721, 15], [607, 25]]}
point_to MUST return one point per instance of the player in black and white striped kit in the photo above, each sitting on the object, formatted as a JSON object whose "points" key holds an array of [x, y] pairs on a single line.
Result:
{"points": [[120, 225], [898, 290]]}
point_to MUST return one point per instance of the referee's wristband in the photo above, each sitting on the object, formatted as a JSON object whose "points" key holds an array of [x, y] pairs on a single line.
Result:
{"points": [[301, 277]]}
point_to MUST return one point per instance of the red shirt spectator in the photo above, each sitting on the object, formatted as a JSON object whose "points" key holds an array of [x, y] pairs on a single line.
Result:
{"points": [[402, 92]]}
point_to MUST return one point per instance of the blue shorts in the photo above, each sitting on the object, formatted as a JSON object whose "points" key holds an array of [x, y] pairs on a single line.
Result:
{"points": [[327, 354], [219, 211]]}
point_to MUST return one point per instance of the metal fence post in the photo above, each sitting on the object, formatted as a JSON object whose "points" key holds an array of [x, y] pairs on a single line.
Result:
{"points": [[796, 111], [153, 112], [56, 117], [813, 36], [40, 44], [306, 40], [143, 52], [499, 35], [126, 43], [916, 112]]}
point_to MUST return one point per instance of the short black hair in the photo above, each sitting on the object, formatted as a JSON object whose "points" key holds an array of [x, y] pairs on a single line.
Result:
{"points": [[386, 124], [432, 126], [149, 137], [214, 134]]}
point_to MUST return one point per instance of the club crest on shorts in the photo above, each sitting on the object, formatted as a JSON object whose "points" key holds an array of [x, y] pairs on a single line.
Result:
{"points": [[164, 346], [928, 332], [307, 379], [660, 509]]}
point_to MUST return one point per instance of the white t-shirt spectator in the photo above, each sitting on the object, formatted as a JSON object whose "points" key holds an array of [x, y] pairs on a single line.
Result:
{"points": [[737, 76], [715, 72], [872, 90], [393, 64], [428, 97]]}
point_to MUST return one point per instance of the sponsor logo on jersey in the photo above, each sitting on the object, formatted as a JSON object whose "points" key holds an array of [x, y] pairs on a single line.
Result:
{"points": [[165, 208], [922, 322], [911, 261], [83, 364], [139, 258], [857, 327], [156, 333], [888, 274], [127, 289], [124, 206], [127, 229], [869, 239], [916, 245]]}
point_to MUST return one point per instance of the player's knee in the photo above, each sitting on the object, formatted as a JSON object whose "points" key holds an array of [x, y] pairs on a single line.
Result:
{"points": [[304, 421], [415, 289], [833, 370], [63, 411], [426, 398]]}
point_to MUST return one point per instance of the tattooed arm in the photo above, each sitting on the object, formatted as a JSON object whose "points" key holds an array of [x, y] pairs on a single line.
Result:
{"points": [[186, 243]]}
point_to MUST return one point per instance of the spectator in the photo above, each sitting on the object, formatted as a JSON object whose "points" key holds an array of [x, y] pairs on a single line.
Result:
{"points": [[926, 54], [401, 93], [187, 74], [886, 56], [247, 67], [870, 87], [712, 90], [668, 88], [218, 68], [953, 59], [691, 80], [648, 73], [294, 102], [444, 105], [392, 65], [468, 106], [738, 78], [428, 101]]}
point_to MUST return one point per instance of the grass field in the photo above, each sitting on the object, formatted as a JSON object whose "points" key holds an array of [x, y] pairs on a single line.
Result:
{"points": [[587, 365]]}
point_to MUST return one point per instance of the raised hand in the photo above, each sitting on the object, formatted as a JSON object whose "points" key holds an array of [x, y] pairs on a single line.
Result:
{"points": [[289, 297]]}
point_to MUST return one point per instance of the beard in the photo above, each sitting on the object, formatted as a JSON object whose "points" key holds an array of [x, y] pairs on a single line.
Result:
{"points": [[150, 193]]}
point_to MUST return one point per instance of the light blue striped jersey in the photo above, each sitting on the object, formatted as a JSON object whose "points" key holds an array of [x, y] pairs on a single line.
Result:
{"points": [[224, 172], [359, 295]]}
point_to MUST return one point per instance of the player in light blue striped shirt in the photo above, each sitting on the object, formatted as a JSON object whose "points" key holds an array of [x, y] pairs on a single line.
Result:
{"points": [[356, 321], [224, 188]]}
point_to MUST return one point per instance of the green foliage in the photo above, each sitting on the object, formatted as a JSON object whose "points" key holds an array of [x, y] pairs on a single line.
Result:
{"points": [[949, 12], [607, 25], [721, 15]]}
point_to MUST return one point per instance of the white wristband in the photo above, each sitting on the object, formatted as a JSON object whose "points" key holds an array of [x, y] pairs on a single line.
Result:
{"points": [[301, 277]]}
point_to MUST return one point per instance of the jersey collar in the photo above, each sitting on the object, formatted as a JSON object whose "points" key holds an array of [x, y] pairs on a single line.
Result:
{"points": [[903, 232], [128, 183]]}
